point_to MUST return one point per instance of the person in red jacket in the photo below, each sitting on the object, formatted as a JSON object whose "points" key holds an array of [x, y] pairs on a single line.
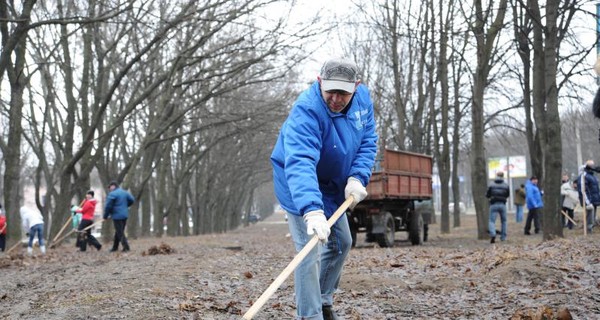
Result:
{"points": [[2, 230], [87, 210]]}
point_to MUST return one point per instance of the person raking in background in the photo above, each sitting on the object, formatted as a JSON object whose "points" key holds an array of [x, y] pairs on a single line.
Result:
{"points": [[592, 193], [33, 224], [533, 197], [87, 210], [324, 153], [116, 208], [569, 200], [498, 192], [75, 221]]}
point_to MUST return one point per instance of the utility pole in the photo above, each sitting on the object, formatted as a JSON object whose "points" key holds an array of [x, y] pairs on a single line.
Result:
{"points": [[578, 144]]}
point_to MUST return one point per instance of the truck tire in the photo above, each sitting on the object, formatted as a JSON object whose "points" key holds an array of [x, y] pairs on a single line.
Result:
{"points": [[414, 229], [386, 239]]}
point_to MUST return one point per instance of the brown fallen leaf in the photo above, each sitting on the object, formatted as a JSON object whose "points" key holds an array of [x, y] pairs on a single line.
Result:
{"points": [[248, 275], [564, 314]]}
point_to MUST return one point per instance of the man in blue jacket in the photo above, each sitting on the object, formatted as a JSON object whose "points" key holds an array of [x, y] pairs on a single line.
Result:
{"points": [[324, 153], [117, 206], [533, 198]]}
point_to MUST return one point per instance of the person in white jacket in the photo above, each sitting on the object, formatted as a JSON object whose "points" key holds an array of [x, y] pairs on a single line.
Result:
{"points": [[33, 223], [570, 198]]}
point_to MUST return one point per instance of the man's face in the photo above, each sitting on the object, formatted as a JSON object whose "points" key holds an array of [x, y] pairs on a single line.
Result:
{"points": [[336, 100], [534, 181]]}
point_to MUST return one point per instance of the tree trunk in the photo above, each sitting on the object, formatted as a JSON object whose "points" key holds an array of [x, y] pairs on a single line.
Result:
{"points": [[485, 45], [14, 47]]}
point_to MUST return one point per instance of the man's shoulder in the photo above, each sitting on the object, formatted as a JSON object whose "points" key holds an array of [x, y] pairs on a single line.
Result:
{"points": [[498, 183]]}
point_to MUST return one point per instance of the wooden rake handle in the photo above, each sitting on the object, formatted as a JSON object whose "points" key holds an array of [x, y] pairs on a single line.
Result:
{"points": [[294, 263], [567, 216], [55, 243]]}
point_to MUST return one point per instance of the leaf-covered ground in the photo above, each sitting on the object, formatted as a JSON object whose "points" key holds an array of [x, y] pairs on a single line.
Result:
{"points": [[452, 276]]}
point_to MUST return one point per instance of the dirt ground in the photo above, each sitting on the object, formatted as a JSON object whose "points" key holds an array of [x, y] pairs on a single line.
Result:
{"points": [[452, 276]]}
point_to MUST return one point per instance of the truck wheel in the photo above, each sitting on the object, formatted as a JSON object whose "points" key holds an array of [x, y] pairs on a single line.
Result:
{"points": [[414, 229], [386, 239]]}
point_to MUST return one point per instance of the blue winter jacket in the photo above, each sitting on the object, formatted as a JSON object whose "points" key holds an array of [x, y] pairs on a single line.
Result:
{"points": [[533, 197], [117, 204], [318, 150]]}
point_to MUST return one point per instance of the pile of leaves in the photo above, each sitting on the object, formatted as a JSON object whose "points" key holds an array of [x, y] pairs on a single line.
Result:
{"points": [[163, 248]]}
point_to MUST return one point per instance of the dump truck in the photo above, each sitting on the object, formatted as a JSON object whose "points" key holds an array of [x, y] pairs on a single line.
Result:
{"points": [[399, 195]]}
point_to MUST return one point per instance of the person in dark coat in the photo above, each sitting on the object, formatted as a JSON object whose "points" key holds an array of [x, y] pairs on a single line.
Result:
{"points": [[497, 192], [591, 199], [116, 208]]}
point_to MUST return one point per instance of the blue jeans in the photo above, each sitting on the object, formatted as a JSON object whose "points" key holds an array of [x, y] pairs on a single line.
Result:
{"points": [[317, 277], [39, 229], [497, 208], [519, 213], [590, 218]]}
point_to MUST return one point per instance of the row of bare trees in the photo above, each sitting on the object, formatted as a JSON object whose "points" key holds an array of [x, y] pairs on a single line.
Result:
{"points": [[179, 101], [448, 74]]}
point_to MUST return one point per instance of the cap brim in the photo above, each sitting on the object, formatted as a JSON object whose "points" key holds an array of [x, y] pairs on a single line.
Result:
{"points": [[329, 85]]}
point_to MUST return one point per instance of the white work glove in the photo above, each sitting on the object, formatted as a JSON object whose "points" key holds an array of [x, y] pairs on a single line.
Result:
{"points": [[317, 223], [355, 188], [588, 205]]}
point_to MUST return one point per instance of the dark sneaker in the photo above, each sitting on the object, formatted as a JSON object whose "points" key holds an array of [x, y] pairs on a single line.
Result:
{"points": [[527, 233], [493, 240], [99, 247], [125, 249], [329, 314], [114, 250]]}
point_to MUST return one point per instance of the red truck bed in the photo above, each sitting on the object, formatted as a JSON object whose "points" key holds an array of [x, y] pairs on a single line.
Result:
{"points": [[401, 175]]}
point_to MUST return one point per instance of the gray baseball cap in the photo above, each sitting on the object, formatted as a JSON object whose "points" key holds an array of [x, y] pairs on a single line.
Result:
{"points": [[339, 74]]}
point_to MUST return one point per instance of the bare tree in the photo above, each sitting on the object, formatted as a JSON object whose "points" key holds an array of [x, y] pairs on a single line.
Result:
{"points": [[541, 30], [126, 93], [485, 39], [13, 28]]}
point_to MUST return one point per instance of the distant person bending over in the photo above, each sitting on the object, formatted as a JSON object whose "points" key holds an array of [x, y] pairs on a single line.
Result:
{"points": [[33, 223], [534, 205], [87, 211], [324, 154], [497, 192], [117, 206]]}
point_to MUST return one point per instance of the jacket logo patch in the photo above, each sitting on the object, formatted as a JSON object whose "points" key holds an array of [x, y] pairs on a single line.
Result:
{"points": [[358, 123]]}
